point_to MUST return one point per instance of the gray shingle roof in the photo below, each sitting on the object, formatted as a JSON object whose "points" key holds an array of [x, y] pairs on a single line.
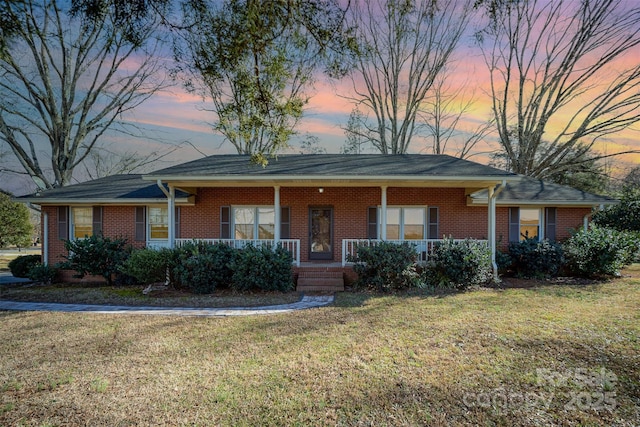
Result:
{"points": [[328, 165], [533, 191], [125, 188]]}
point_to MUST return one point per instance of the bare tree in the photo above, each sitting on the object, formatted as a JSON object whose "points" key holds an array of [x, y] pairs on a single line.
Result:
{"points": [[403, 46], [65, 82], [442, 111], [558, 80], [103, 161]]}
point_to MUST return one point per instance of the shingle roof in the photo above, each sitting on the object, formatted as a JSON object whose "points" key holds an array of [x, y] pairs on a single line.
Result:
{"points": [[534, 191], [328, 165], [125, 188]]}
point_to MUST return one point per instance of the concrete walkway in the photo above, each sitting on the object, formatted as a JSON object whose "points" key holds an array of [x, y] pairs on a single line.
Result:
{"points": [[307, 301]]}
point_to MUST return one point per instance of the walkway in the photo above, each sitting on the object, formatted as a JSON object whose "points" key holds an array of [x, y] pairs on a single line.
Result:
{"points": [[307, 301]]}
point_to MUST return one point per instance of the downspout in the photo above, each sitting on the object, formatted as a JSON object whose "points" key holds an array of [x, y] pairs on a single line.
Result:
{"points": [[45, 238], [492, 195]]}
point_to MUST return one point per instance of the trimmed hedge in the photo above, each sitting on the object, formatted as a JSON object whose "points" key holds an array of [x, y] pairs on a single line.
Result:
{"points": [[600, 251], [262, 268], [20, 266], [536, 259], [202, 267], [148, 265], [386, 266], [458, 265]]}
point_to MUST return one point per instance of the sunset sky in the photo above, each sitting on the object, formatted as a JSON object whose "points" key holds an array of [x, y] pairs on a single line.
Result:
{"points": [[176, 117]]}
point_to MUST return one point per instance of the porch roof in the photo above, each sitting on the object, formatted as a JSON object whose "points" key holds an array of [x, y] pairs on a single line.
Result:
{"points": [[115, 189], [333, 169], [530, 191]]}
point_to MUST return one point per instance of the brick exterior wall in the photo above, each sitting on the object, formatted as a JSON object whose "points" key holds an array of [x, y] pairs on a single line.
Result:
{"points": [[350, 205]]}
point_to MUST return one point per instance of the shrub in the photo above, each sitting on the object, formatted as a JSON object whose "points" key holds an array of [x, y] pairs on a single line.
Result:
{"points": [[624, 216], [459, 264], [42, 273], [95, 255], [20, 266], [533, 258], [386, 266], [262, 268], [148, 265], [600, 251], [202, 267]]}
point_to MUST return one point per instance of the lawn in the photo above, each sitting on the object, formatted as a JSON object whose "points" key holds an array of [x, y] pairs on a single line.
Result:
{"points": [[541, 355]]}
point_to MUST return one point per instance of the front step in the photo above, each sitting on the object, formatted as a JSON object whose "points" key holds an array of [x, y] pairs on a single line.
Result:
{"points": [[320, 281]]}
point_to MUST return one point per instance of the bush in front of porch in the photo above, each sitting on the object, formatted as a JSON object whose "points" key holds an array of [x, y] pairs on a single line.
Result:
{"points": [[386, 266]]}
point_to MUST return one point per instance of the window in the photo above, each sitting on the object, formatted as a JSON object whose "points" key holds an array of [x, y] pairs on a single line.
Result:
{"points": [[249, 223], [253, 223], [81, 222], [409, 223], [158, 222], [527, 223]]}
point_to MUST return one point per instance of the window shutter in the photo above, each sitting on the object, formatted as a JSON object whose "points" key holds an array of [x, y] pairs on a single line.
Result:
{"points": [[514, 224], [97, 220], [372, 223], [433, 219], [141, 224], [177, 222], [63, 222], [285, 223], [225, 222], [550, 224]]}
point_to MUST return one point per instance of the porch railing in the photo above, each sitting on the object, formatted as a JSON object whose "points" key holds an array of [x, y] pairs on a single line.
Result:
{"points": [[423, 247], [292, 245]]}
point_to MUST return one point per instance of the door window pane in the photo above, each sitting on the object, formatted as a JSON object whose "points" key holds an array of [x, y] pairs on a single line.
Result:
{"points": [[321, 230]]}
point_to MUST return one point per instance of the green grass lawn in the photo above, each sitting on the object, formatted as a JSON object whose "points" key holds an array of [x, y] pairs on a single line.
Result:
{"points": [[543, 355]]}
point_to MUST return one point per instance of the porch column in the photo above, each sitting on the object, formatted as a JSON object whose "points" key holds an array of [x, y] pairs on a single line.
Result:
{"points": [[383, 213], [491, 229], [171, 216], [45, 238], [277, 219]]}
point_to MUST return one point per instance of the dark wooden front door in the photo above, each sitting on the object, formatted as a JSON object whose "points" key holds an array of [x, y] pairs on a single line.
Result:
{"points": [[321, 233]]}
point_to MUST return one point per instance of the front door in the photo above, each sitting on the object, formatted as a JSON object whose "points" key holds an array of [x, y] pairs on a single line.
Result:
{"points": [[321, 233]]}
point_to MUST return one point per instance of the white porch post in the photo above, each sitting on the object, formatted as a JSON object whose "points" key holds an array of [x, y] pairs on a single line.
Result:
{"points": [[171, 217], [491, 229], [383, 213], [277, 219]]}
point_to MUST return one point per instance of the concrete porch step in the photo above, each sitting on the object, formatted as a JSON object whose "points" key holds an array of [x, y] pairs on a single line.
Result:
{"points": [[320, 281]]}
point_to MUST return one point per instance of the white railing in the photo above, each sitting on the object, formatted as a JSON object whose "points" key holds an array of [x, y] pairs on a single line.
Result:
{"points": [[423, 246], [292, 245]]}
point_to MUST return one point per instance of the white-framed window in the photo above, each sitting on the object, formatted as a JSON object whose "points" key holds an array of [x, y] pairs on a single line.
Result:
{"points": [[158, 223], [406, 223], [81, 222], [253, 222], [528, 223]]}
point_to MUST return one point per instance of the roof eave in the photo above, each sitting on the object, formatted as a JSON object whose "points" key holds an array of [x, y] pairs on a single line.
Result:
{"points": [[187, 201]]}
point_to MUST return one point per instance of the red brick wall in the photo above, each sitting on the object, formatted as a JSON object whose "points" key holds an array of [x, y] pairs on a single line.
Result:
{"points": [[350, 205]]}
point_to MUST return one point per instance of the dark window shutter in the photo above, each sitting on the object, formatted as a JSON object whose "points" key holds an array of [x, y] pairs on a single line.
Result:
{"points": [[97, 220], [225, 222], [63, 222], [285, 223], [177, 222], [433, 219], [141, 223], [550, 223], [372, 223], [514, 224]]}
